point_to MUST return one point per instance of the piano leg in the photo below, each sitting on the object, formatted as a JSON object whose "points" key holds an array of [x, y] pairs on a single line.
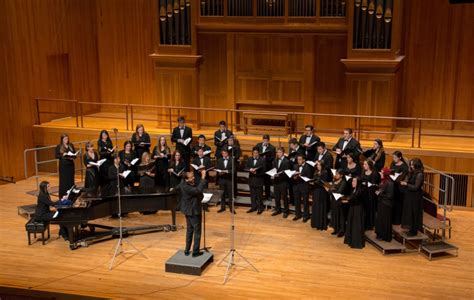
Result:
{"points": [[70, 232]]}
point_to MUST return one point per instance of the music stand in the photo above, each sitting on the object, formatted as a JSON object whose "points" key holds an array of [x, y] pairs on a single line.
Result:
{"points": [[119, 246], [232, 251]]}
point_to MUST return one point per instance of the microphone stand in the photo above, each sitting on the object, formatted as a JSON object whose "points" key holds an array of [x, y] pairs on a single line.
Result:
{"points": [[232, 251], [119, 246]]}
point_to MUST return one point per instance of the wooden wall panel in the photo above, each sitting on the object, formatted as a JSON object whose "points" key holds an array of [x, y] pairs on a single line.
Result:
{"points": [[438, 44], [125, 41], [30, 32]]}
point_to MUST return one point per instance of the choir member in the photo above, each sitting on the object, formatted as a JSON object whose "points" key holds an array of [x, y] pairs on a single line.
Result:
{"points": [[162, 156], [295, 150], [176, 169], [398, 166], [370, 178], [320, 209], [325, 155], [146, 172], [267, 152], [233, 149], [106, 150], [338, 208], [255, 165], [181, 137], [66, 154], [280, 183], [355, 233], [352, 168], [45, 208], [201, 145], [220, 137], [376, 155], [92, 170], [141, 141], [309, 142], [346, 144], [127, 157], [412, 215], [226, 165], [115, 177], [386, 192], [301, 187], [191, 195]]}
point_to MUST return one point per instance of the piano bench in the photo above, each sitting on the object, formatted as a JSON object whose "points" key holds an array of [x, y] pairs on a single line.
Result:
{"points": [[34, 227]]}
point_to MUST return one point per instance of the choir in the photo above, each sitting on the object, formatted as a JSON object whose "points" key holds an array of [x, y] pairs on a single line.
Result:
{"points": [[351, 194]]}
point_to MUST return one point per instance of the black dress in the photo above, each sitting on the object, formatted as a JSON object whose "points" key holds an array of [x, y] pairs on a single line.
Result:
{"points": [[412, 216], [162, 177], [398, 196], [379, 160], [369, 198], [66, 169], [355, 233], [105, 152], [383, 222], [354, 172], [147, 182], [320, 209], [92, 173], [126, 163], [139, 149], [174, 179], [339, 209], [42, 212]]}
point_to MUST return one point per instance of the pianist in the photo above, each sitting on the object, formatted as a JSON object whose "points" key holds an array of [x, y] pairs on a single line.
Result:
{"points": [[190, 199]]}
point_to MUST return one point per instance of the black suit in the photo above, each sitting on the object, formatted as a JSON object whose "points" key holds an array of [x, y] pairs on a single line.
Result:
{"points": [[190, 199], [206, 162], [311, 151], [204, 149], [256, 181], [352, 146], [327, 158], [301, 189], [292, 158], [280, 184], [184, 150], [268, 155], [225, 179], [220, 144]]}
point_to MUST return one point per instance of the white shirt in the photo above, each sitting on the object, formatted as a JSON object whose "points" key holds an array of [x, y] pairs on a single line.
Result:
{"points": [[279, 162], [301, 168], [254, 162], [225, 162], [181, 131], [202, 160], [345, 143], [264, 147], [308, 139], [320, 157]]}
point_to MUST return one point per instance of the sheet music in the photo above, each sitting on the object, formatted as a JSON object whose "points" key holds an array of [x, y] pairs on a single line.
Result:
{"points": [[395, 176], [370, 184], [69, 153], [186, 141], [290, 173], [337, 196], [195, 167], [207, 197], [221, 171], [272, 172], [125, 173], [333, 172], [207, 152], [98, 163], [306, 179], [311, 163], [348, 177], [134, 161]]}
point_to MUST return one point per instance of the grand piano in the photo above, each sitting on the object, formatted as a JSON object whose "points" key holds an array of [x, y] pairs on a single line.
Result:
{"points": [[88, 207]]}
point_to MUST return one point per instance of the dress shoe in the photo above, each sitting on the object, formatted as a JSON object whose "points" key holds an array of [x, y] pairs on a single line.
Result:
{"points": [[296, 218], [259, 212], [221, 210], [285, 215], [196, 254], [251, 210], [305, 219], [340, 234], [186, 252], [276, 212]]}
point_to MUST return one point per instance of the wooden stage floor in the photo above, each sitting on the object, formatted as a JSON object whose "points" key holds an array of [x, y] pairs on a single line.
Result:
{"points": [[294, 261]]}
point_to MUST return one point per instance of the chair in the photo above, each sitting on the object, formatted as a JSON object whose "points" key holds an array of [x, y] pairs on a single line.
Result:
{"points": [[33, 227]]}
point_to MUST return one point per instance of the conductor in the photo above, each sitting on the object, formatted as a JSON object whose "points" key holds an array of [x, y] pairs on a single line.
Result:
{"points": [[190, 199]]}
